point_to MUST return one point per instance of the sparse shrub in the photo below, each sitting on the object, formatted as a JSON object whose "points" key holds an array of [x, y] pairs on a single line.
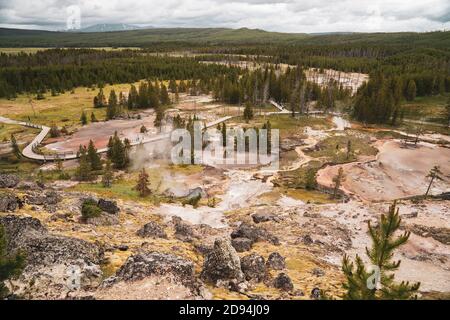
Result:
{"points": [[90, 209]]}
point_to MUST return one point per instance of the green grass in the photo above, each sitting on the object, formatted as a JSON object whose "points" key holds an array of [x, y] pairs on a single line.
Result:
{"points": [[296, 179], [334, 148], [19, 132], [63, 110], [430, 108], [23, 167]]}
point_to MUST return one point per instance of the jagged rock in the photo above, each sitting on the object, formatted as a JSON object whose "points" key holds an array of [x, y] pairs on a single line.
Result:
{"points": [[55, 265], [108, 206], [254, 267], [42, 248], [254, 233], [315, 293], [241, 244], [152, 230], [105, 219], [318, 272], [283, 282], [8, 180], [183, 230], [276, 261], [122, 247], [47, 198], [139, 266], [27, 185], [195, 193], [9, 202], [222, 263], [263, 217], [307, 240]]}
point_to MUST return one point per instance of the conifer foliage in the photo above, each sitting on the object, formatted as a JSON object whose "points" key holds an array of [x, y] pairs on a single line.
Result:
{"points": [[11, 265], [379, 283]]}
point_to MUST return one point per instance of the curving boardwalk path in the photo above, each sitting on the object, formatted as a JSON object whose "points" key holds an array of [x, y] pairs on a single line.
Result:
{"points": [[28, 151]]}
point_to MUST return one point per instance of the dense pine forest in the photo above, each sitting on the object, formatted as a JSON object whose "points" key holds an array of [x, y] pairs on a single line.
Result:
{"points": [[400, 67]]}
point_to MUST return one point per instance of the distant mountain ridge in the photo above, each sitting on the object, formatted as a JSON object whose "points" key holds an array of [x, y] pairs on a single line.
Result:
{"points": [[109, 27], [110, 36]]}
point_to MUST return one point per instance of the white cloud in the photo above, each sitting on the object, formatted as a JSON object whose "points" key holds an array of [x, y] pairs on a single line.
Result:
{"points": [[274, 15]]}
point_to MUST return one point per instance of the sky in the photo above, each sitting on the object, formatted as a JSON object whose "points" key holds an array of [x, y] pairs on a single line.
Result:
{"points": [[299, 16]]}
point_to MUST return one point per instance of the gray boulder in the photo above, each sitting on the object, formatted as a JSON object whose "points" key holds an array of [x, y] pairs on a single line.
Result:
{"points": [[222, 263], [47, 198], [139, 266], [152, 230], [8, 180], [241, 244], [9, 202], [184, 231], [283, 282], [246, 230], [44, 249], [254, 267], [263, 216], [276, 261], [108, 206]]}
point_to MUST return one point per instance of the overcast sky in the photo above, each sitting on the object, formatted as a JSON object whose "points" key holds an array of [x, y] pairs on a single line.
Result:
{"points": [[273, 15]]}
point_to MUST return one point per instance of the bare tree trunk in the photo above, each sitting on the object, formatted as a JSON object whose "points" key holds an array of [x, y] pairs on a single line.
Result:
{"points": [[429, 187]]}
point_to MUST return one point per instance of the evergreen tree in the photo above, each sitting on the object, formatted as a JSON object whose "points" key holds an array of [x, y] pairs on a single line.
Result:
{"points": [[248, 112], [54, 131], [337, 180], [349, 148], [411, 90], [159, 117], [108, 175], [93, 117], [434, 174], [447, 111], [117, 152], [84, 170], [100, 100], [111, 109], [83, 118], [11, 265], [15, 147], [164, 95], [362, 284], [142, 184], [93, 157]]}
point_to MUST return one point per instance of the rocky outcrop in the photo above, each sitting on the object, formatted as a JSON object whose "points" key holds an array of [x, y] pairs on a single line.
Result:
{"points": [[47, 198], [8, 180], [222, 263], [254, 234], [283, 282], [184, 231], [42, 248], [254, 267], [275, 261], [56, 266], [105, 219], [108, 206], [241, 244], [152, 230], [142, 265], [9, 202], [263, 216]]}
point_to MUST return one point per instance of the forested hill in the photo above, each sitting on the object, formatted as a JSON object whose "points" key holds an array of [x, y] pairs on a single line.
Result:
{"points": [[211, 36], [141, 38]]}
